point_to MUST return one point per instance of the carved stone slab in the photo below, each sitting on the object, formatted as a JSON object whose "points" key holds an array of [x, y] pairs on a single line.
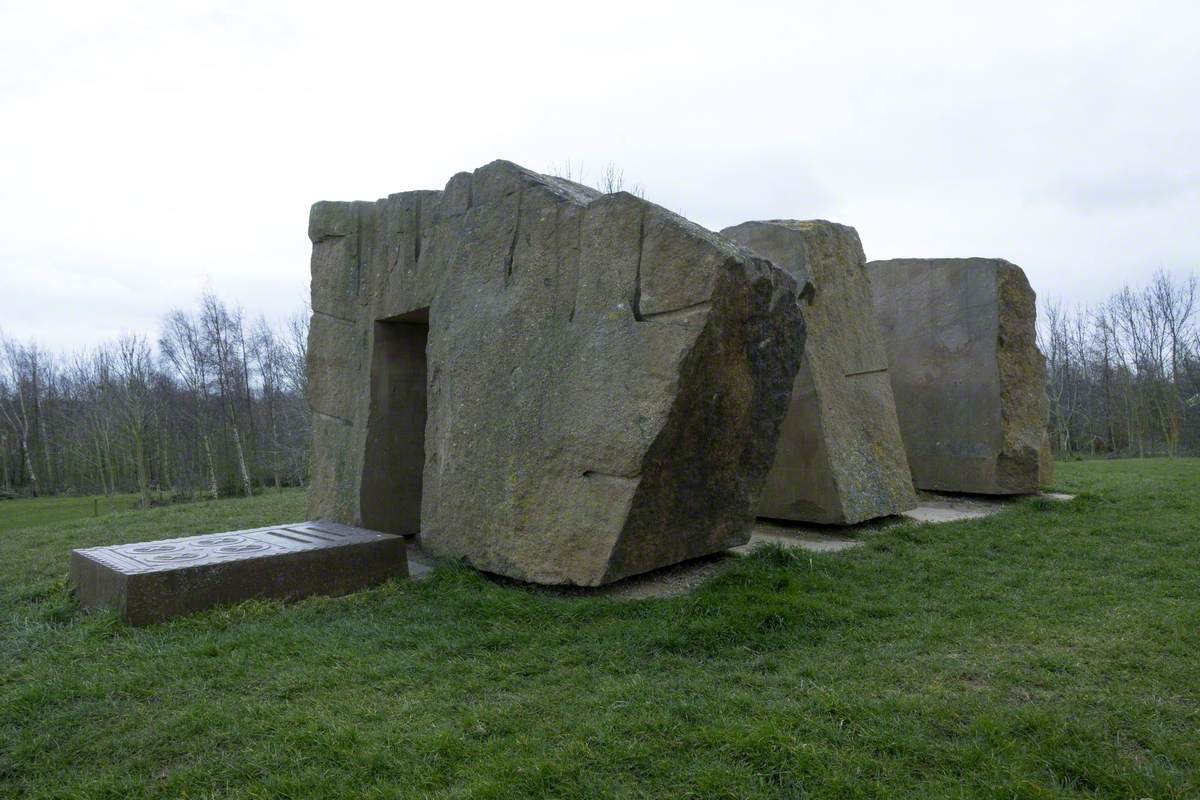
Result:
{"points": [[150, 582]]}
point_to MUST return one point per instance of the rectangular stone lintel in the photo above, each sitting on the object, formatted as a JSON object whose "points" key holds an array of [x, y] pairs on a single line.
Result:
{"points": [[148, 582]]}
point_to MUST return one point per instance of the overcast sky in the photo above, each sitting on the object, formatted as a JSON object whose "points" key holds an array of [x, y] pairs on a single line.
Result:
{"points": [[150, 150]]}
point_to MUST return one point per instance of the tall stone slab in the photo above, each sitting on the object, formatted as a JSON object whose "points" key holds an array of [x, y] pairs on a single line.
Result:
{"points": [[969, 381], [549, 383], [840, 459]]}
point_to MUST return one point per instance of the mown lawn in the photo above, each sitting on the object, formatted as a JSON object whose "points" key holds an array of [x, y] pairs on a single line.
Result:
{"points": [[1053, 651]]}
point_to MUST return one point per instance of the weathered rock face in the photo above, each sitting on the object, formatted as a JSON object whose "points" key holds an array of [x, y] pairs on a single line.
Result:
{"points": [[840, 459], [552, 384], [969, 382]]}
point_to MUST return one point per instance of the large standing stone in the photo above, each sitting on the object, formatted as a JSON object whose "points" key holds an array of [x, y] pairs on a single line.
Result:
{"points": [[552, 384], [969, 382], [839, 459]]}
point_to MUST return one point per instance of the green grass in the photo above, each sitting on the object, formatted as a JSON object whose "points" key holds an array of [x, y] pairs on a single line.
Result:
{"points": [[1052, 651], [29, 512]]}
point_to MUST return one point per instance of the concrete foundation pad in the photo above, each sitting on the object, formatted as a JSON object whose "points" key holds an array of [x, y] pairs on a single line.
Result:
{"points": [[946, 507], [949, 513], [814, 538], [148, 582], [420, 563], [673, 581], [932, 507], [684, 577]]}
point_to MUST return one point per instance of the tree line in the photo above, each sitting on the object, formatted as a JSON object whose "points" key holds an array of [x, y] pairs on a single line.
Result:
{"points": [[1124, 376], [215, 406], [219, 406]]}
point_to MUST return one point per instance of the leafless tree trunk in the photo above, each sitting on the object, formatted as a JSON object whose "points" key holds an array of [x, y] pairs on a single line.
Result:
{"points": [[183, 345], [17, 411], [133, 386], [222, 330], [37, 380], [4, 458], [265, 350]]}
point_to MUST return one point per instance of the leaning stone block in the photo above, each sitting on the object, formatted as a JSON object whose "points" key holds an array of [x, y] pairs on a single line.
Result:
{"points": [[150, 582], [557, 385], [969, 382], [840, 459]]}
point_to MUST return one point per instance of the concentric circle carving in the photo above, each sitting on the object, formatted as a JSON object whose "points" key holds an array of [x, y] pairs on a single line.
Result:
{"points": [[218, 541], [155, 547], [244, 547], [165, 558]]}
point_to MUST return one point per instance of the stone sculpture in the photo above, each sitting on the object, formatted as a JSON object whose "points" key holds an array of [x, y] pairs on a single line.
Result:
{"points": [[840, 458], [552, 384], [968, 379]]}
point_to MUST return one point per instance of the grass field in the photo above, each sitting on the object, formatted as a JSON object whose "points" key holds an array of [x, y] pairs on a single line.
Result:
{"points": [[1052, 651], [28, 513]]}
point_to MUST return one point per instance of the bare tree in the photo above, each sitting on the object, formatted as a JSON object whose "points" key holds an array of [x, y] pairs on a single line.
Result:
{"points": [[1125, 377], [21, 389], [183, 345], [295, 352], [90, 381], [294, 373], [224, 406], [223, 337], [133, 387], [267, 356], [1174, 303]]}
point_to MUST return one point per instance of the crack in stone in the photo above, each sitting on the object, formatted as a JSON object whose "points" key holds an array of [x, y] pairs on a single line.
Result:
{"points": [[333, 317], [512, 246], [417, 232], [591, 473], [636, 303], [358, 248], [674, 313], [578, 257], [333, 417], [866, 372]]}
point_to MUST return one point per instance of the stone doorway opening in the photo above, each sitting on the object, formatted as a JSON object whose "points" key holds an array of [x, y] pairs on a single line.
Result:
{"points": [[395, 449]]}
